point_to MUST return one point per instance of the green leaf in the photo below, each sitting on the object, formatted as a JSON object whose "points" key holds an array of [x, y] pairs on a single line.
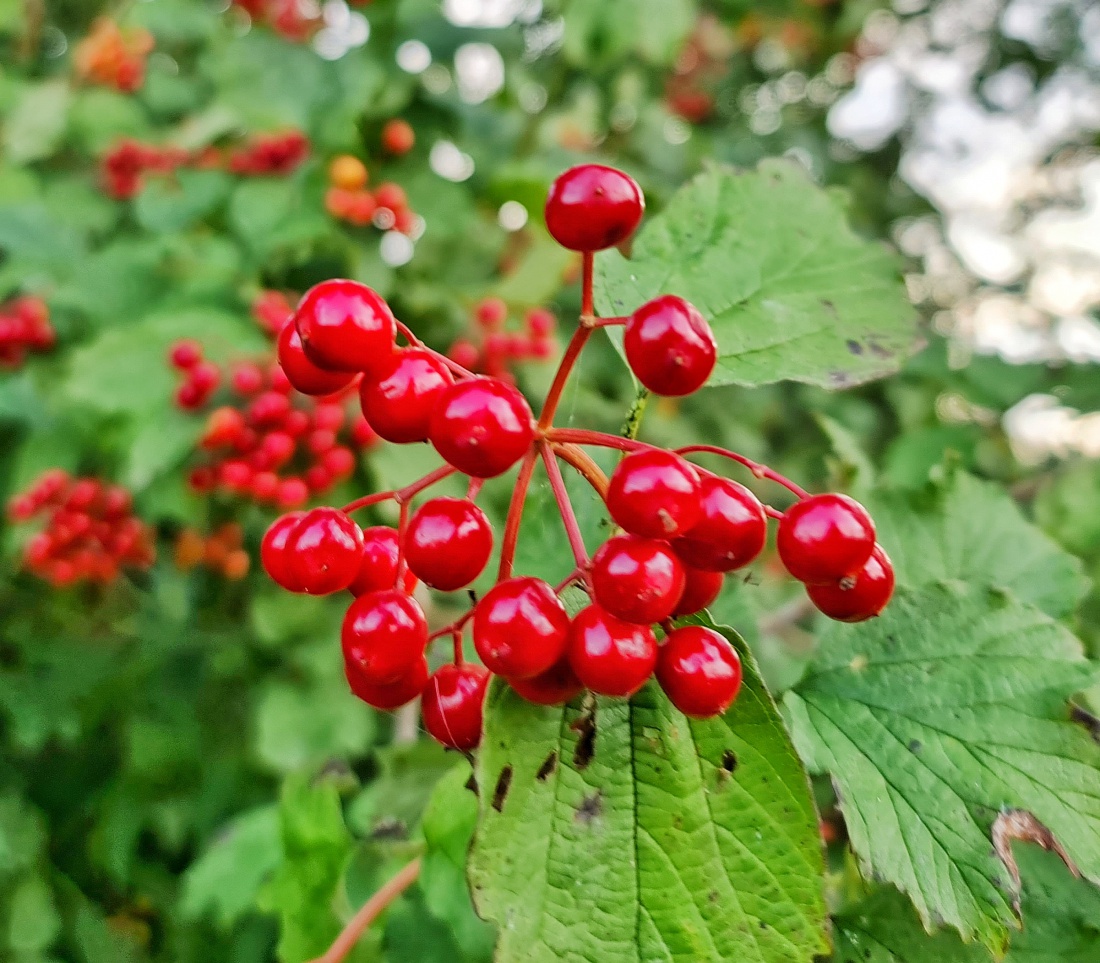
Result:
{"points": [[618, 830], [21, 835], [965, 529], [769, 259], [33, 923], [934, 717], [615, 29], [161, 443], [393, 802], [169, 204], [35, 126]]}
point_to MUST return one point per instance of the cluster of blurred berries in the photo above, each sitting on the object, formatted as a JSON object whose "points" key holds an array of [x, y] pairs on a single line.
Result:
{"points": [[349, 199], [24, 327], [112, 56], [490, 347], [221, 551]]}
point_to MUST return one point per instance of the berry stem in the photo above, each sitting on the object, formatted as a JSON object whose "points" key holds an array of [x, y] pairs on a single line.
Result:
{"points": [[401, 495], [565, 368], [406, 332], [565, 507], [402, 528], [474, 488], [370, 911], [575, 575], [600, 439], [588, 265], [760, 471], [772, 512], [515, 514], [456, 641], [415, 342], [454, 629], [579, 459]]}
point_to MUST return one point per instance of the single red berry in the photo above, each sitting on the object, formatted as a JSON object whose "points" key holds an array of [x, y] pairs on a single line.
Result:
{"points": [[236, 475], [464, 353], [448, 543], [610, 656], [669, 346], [346, 326], [540, 323], [320, 441], [292, 493], [247, 379], [701, 588], [296, 423], [388, 697], [21, 508], [301, 372], [591, 207], [275, 553], [268, 410], [378, 570], [362, 434], [265, 486], [278, 446], [84, 494], [339, 462], [482, 426], [189, 397], [205, 376], [399, 405], [521, 628], [398, 137], [326, 548], [452, 705], [491, 313], [731, 532], [637, 579], [384, 634], [391, 196], [556, 685], [699, 670], [825, 537], [329, 415], [654, 493], [858, 597], [184, 355], [317, 479]]}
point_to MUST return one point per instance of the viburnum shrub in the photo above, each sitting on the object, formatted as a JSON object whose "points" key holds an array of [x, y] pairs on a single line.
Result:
{"points": [[24, 328], [683, 527]]}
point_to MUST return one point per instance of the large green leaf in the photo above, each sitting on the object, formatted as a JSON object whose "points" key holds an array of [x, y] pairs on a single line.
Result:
{"points": [[934, 717], [619, 29], [34, 129], [618, 830], [769, 259]]}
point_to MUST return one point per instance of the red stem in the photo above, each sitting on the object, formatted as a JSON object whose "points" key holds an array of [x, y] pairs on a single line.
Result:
{"points": [[565, 508], [401, 494], [474, 487], [403, 329], [772, 512], [588, 265], [579, 459], [402, 526], [515, 514], [565, 368], [455, 628], [760, 471], [456, 639]]}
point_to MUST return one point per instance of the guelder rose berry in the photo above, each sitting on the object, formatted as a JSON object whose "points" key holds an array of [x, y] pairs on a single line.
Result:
{"points": [[669, 346], [611, 657], [822, 538], [301, 372], [275, 554], [448, 543], [556, 685], [731, 531], [521, 628], [452, 705], [699, 670], [391, 696], [384, 635], [398, 405], [637, 579], [592, 207], [654, 493], [482, 426], [378, 569], [325, 548], [346, 326], [860, 596]]}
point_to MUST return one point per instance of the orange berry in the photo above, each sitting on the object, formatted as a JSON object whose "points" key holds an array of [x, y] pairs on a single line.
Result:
{"points": [[347, 173], [236, 565], [189, 549]]}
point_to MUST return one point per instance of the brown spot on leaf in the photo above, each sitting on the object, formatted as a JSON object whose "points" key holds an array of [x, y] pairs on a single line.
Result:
{"points": [[1019, 824], [829, 308], [471, 784], [854, 346], [500, 793], [729, 760], [878, 350], [549, 764], [591, 808], [1087, 719], [585, 727]]}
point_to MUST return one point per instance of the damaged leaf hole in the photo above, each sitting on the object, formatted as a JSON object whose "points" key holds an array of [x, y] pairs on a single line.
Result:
{"points": [[585, 749], [549, 764], [500, 793]]}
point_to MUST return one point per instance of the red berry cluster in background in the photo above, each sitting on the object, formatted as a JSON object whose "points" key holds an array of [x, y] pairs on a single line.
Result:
{"points": [[112, 56], [24, 327], [398, 137], [490, 348], [89, 534], [221, 551], [349, 199], [275, 154], [683, 527], [703, 63], [293, 19]]}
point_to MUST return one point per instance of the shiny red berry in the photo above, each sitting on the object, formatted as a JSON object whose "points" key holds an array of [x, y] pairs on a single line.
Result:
{"points": [[384, 634], [699, 670], [326, 549], [556, 685], [275, 553], [399, 404], [303, 374], [521, 628], [453, 704], [346, 326], [392, 696], [482, 426], [857, 597], [731, 531], [591, 207], [825, 537], [637, 579], [448, 543], [610, 656], [654, 493], [701, 588], [669, 346], [378, 570]]}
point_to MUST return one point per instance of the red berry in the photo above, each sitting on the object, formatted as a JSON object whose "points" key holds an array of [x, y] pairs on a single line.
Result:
{"points": [[184, 355], [636, 579], [540, 323], [296, 423], [247, 379], [339, 462], [463, 353], [591, 207], [326, 550], [392, 696], [669, 346], [292, 493], [265, 486], [857, 597], [482, 426], [699, 670], [330, 416], [453, 703], [268, 410], [391, 196], [610, 656], [700, 589], [521, 628], [399, 405], [398, 137], [278, 446], [654, 493], [556, 685], [731, 532], [317, 479], [384, 634], [346, 326], [491, 313], [378, 570], [448, 543], [301, 372], [825, 537], [275, 553], [362, 434], [205, 376], [321, 441], [21, 508], [189, 397]]}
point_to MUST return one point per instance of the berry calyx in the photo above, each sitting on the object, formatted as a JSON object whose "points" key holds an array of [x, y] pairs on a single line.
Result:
{"points": [[521, 628], [701, 588], [482, 426], [346, 326], [384, 634], [276, 555], [654, 493], [452, 705], [399, 404], [448, 543], [392, 696], [637, 579], [326, 549], [731, 531], [825, 537], [301, 372], [611, 657], [378, 569], [669, 346], [556, 685], [591, 207], [857, 597], [699, 670]]}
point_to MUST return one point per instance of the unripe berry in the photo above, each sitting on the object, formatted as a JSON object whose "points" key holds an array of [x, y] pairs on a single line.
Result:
{"points": [[699, 670], [556, 685], [731, 531], [592, 207], [610, 656], [669, 346], [823, 538], [636, 579], [521, 628], [388, 697], [301, 372], [482, 426], [378, 569], [858, 597], [654, 493], [452, 705], [346, 326], [384, 634], [399, 404], [326, 549], [275, 553], [448, 543], [347, 173]]}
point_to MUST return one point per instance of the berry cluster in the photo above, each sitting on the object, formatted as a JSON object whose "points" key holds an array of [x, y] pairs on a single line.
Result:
{"points": [[112, 56], [90, 532], [349, 199], [24, 327], [702, 65], [221, 551], [683, 527], [276, 154], [489, 348], [294, 20]]}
